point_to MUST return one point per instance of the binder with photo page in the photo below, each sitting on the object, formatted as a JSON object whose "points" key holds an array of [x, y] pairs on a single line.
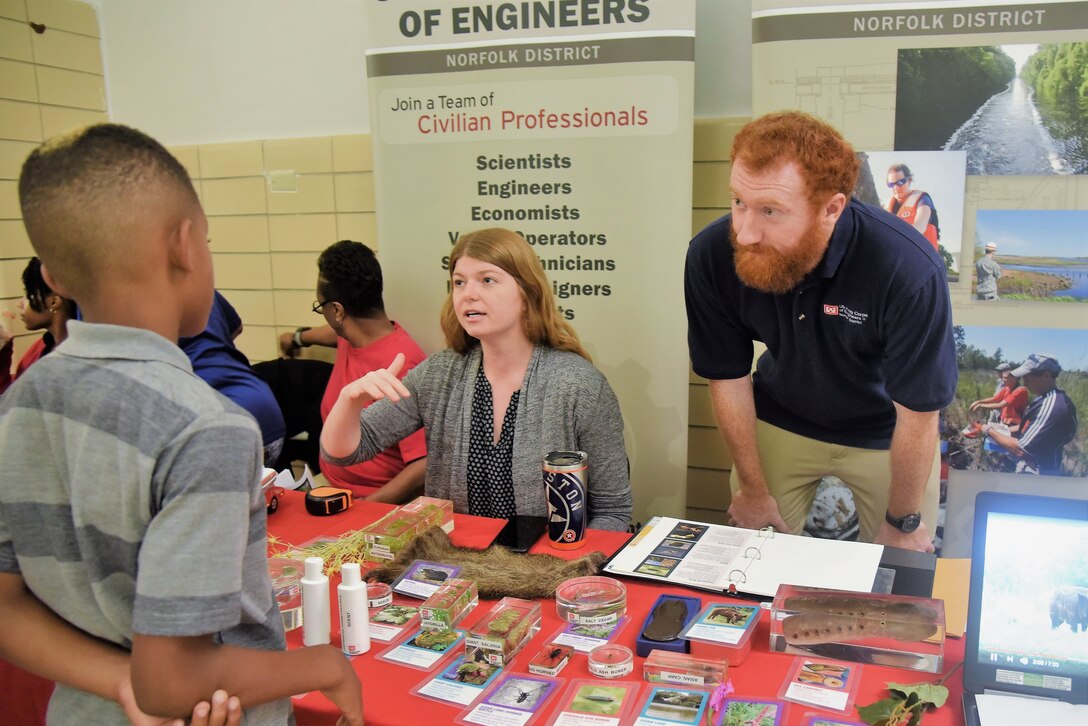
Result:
{"points": [[729, 560]]}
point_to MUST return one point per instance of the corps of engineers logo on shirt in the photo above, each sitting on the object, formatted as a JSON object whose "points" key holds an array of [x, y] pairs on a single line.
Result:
{"points": [[841, 311]]}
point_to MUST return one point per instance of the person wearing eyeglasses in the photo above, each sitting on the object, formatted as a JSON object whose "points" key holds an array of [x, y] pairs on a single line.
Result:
{"points": [[1049, 422], [349, 298], [913, 206], [853, 306]]}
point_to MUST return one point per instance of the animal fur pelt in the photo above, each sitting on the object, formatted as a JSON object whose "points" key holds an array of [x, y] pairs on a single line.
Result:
{"points": [[497, 571]]}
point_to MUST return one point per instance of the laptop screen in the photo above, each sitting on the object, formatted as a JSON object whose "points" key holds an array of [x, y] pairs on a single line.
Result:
{"points": [[1028, 613]]}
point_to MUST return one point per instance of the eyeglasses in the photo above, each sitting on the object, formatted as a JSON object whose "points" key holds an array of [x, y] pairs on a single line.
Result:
{"points": [[317, 306], [899, 182]]}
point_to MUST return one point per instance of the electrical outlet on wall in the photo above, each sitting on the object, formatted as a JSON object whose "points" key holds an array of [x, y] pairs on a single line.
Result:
{"points": [[283, 181]]}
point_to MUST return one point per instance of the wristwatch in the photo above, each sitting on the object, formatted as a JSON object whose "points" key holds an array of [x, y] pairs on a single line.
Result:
{"points": [[905, 524], [296, 339]]}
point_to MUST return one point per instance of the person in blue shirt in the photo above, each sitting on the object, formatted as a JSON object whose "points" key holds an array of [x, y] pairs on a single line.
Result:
{"points": [[1049, 421], [226, 369], [852, 305]]}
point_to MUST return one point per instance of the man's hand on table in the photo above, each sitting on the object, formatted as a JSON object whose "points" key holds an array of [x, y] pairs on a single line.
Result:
{"points": [[918, 540], [756, 511]]}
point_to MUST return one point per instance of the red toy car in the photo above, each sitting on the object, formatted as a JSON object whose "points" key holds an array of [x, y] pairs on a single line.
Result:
{"points": [[272, 492]]}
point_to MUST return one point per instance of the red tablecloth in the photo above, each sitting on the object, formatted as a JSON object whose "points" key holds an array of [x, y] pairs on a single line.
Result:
{"points": [[386, 686]]}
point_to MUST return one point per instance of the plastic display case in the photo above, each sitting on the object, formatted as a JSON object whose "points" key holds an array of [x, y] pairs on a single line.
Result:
{"points": [[891, 630], [723, 630], [436, 512], [591, 600], [385, 538], [504, 631], [448, 605], [665, 667]]}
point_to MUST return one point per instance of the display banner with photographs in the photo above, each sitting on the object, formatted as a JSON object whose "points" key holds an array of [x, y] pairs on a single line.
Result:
{"points": [[935, 94], [570, 123]]}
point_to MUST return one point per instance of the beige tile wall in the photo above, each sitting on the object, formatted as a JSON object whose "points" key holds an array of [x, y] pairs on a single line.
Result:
{"points": [[265, 243], [709, 460], [49, 83]]}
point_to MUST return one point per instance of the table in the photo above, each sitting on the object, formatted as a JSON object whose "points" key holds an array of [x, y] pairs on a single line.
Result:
{"points": [[385, 686]]}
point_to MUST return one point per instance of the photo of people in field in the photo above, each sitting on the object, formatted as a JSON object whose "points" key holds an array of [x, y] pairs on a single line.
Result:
{"points": [[1019, 399]]}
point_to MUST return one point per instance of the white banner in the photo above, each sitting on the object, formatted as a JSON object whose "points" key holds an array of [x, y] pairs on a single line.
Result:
{"points": [[569, 121]]}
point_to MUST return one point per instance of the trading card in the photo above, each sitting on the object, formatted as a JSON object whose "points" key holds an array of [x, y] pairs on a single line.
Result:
{"points": [[592, 702], [460, 682], [514, 699], [584, 638], [824, 683], [751, 712], [424, 648], [423, 578], [673, 705], [722, 622], [389, 622], [521, 693]]}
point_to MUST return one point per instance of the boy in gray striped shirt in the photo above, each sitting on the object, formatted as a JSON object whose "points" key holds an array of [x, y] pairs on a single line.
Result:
{"points": [[132, 529]]}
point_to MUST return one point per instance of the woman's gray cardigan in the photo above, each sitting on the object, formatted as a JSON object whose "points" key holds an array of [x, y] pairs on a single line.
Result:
{"points": [[565, 404]]}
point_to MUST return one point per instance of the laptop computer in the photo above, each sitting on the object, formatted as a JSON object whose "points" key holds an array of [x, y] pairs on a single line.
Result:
{"points": [[964, 485], [1027, 617]]}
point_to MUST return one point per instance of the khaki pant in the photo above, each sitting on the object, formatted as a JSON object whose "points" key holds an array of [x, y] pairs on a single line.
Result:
{"points": [[793, 466]]}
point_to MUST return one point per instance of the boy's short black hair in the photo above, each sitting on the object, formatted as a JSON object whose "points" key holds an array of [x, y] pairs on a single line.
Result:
{"points": [[82, 191], [349, 274]]}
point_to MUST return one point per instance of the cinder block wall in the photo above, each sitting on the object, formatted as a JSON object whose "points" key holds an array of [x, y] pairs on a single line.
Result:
{"points": [[265, 243], [50, 82]]}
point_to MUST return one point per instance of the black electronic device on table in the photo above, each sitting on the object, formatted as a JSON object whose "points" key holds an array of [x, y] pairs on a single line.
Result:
{"points": [[522, 532], [1027, 617]]}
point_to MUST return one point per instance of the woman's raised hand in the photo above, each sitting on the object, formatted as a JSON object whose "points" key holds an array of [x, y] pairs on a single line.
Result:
{"points": [[378, 384]]}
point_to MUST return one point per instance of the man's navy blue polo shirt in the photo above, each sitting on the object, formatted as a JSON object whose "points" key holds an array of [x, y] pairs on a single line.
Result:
{"points": [[870, 325]]}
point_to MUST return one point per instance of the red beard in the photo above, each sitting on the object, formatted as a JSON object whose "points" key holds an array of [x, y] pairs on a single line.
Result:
{"points": [[769, 270]]}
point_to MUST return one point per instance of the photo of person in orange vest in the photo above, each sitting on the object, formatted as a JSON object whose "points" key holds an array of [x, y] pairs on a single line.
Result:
{"points": [[913, 206]]}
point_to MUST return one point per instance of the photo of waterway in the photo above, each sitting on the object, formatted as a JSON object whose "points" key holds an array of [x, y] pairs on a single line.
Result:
{"points": [[1014, 109], [1043, 254]]}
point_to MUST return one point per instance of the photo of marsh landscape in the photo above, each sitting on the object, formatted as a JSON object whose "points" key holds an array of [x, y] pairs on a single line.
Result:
{"points": [[1043, 253]]}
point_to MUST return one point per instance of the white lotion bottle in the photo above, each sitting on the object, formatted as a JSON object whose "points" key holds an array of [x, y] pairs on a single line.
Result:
{"points": [[354, 611], [315, 603]]}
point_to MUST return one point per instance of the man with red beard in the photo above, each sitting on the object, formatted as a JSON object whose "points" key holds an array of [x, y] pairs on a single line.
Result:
{"points": [[853, 307]]}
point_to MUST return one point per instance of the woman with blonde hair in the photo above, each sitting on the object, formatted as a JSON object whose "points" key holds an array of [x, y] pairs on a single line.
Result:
{"points": [[514, 384]]}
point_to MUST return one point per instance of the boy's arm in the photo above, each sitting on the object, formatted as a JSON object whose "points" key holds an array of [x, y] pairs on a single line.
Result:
{"points": [[171, 673], [49, 646], [37, 640]]}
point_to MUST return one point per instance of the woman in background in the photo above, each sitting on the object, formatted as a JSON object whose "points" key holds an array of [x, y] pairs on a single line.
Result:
{"points": [[514, 384], [41, 309], [913, 206]]}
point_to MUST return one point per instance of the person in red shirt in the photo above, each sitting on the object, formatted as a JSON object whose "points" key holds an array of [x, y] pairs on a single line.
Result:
{"points": [[41, 309], [1010, 400], [349, 297]]}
